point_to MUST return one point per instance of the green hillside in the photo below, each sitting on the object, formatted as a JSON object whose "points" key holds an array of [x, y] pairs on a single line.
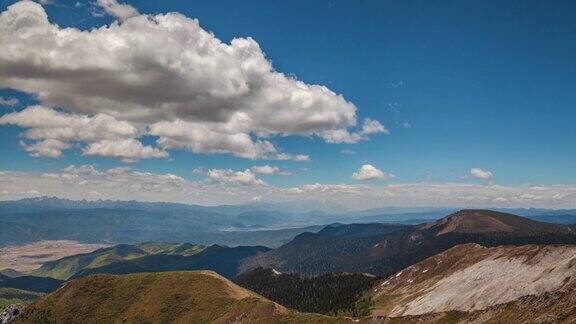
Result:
{"points": [[222, 259], [10, 296], [30, 283], [66, 267]]}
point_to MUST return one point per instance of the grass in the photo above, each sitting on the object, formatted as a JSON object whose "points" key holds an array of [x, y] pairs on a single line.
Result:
{"points": [[10, 296], [66, 267], [168, 297]]}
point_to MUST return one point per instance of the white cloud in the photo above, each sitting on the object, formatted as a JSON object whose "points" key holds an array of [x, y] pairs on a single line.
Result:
{"points": [[115, 9], [348, 151], [369, 172], [481, 174], [235, 187], [47, 147], [199, 170], [342, 135], [127, 149], [166, 76], [245, 177], [9, 101], [267, 169], [53, 132]]}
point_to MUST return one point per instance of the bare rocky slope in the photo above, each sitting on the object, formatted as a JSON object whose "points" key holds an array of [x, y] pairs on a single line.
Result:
{"points": [[475, 279]]}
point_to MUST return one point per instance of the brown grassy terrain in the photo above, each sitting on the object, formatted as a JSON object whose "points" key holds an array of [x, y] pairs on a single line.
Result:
{"points": [[168, 297], [31, 256]]}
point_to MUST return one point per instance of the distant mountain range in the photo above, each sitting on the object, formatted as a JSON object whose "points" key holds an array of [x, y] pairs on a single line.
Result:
{"points": [[362, 250], [46, 218], [378, 249]]}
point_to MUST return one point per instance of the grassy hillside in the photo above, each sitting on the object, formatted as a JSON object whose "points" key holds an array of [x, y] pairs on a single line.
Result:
{"points": [[66, 267], [10, 296], [222, 259], [30, 283], [170, 297]]}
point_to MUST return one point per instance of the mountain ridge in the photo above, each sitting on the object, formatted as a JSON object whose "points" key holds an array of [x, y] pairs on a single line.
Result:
{"points": [[385, 253]]}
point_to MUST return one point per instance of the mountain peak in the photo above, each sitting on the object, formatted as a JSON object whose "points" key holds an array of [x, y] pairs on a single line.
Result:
{"points": [[472, 221]]}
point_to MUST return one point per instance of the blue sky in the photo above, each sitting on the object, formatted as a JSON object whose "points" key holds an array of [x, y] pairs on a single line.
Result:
{"points": [[480, 84]]}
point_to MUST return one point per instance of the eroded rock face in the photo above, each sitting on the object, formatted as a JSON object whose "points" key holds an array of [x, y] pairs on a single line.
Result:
{"points": [[471, 277], [10, 314]]}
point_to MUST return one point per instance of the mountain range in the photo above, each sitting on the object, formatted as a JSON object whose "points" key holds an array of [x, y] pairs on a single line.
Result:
{"points": [[385, 253], [471, 265], [272, 225]]}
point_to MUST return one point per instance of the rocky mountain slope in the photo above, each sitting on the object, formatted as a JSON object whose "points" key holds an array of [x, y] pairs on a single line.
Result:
{"points": [[385, 253], [170, 297], [471, 277]]}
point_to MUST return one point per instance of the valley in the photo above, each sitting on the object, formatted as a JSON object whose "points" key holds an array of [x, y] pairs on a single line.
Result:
{"points": [[471, 265]]}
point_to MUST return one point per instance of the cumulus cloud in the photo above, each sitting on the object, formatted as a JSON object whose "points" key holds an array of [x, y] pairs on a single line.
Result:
{"points": [[166, 76], [245, 177], [481, 174], [118, 10], [267, 169], [53, 132], [127, 149], [342, 135], [235, 187], [47, 147], [9, 101], [369, 172]]}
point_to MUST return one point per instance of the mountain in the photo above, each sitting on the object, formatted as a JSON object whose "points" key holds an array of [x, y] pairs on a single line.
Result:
{"points": [[331, 294], [9, 296], [66, 267], [30, 283], [324, 252], [483, 221], [472, 281], [387, 252], [221, 259], [133, 226], [11, 273], [556, 307], [170, 297], [358, 230], [471, 277]]}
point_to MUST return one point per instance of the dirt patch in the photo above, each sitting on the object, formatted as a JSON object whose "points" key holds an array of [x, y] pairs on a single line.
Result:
{"points": [[31, 256]]}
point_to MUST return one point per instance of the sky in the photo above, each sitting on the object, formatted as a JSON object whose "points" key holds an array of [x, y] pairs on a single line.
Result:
{"points": [[364, 103]]}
